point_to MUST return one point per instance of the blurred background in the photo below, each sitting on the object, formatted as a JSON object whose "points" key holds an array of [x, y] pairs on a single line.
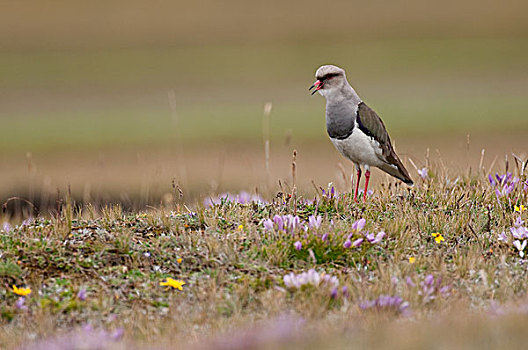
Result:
{"points": [[124, 101]]}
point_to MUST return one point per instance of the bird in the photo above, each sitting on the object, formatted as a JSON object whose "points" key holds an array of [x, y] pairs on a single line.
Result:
{"points": [[356, 131]]}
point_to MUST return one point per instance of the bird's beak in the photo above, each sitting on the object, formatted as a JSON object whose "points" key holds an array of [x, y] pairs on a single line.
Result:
{"points": [[318, 85]]}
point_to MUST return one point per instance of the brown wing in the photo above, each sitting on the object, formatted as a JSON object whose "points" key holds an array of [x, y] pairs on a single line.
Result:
{"points": [[372, 125]]}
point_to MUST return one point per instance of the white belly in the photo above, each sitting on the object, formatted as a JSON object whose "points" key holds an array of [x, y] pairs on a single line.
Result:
{"points": [[360, 149]]}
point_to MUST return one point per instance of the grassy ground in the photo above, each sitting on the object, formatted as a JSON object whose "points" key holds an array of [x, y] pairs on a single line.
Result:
{"points": [[96, 275]]}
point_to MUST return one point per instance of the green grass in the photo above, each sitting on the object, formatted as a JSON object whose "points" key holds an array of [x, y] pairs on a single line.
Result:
{"points": [[233, 268], [198, 125], [112, 98]]}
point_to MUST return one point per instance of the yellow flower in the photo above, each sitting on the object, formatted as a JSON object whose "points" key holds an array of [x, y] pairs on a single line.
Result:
{"points": [[240, 227], [438, 237], [21, 291], [412, 259], [520, 209], [179, 260], [176, 284]]}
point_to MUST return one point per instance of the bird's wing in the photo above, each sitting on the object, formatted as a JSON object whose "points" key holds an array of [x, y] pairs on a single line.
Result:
{"points": [[372, 125]]}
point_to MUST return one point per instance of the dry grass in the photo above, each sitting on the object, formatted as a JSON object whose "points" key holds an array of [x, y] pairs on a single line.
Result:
{"points": [[144, 176], [235, 296]]}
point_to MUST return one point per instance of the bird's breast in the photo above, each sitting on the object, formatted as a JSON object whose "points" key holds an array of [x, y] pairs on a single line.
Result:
{"points": [[340, 120]]}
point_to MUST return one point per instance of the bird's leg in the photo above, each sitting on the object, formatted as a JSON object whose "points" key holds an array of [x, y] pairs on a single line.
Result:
{"points": [[357, 184], [367, 177]]}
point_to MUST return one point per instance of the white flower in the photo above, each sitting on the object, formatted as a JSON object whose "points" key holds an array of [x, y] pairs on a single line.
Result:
{"points": [[423, 173], [520, 232], [312, 277], [314, 221], [503, 237], [520, 246]]}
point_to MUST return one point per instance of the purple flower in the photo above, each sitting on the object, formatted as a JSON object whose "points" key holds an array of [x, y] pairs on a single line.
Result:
{"points": [[6, 227], [312, 277], [325, 237], [429, 280], [212, 201], [330, 280], [492, 180], [83, 338], [367, 304], [518, 222], [333, 294], [503, 237], [409, 281], [330, 194], [344, 290], [285, 223], [291, 222], [20, 303], [309, 201], [377, 239], [117, 334], [520, 232], [297, 245], [81, 295], [277, 219], [26, 222], [386, 302], [357, 242], [268, 225], [314, 222], [423, 173], [347, 244], [244, 197], [503, 178], [444, 290], [430, 289], [505, 184], [505, 190], [358, 225]]}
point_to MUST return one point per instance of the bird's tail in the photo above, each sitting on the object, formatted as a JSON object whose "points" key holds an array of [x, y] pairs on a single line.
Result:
{"points": [[398, 172]]}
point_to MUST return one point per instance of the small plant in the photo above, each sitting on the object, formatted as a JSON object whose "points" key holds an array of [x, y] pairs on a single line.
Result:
{"points": [[309, 241]]}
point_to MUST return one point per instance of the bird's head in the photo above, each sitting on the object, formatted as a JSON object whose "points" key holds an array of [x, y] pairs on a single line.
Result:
{"points": [[329, 78]]}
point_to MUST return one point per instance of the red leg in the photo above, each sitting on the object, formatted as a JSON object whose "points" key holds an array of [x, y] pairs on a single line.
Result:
{"points": [[357, 184], [367, 177]]}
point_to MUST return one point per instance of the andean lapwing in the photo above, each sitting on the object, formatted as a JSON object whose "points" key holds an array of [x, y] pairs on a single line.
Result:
{"points": [[356, 130]]}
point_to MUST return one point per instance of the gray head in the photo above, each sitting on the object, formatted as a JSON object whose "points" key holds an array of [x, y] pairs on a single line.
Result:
{"points": [[329, 79]]}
